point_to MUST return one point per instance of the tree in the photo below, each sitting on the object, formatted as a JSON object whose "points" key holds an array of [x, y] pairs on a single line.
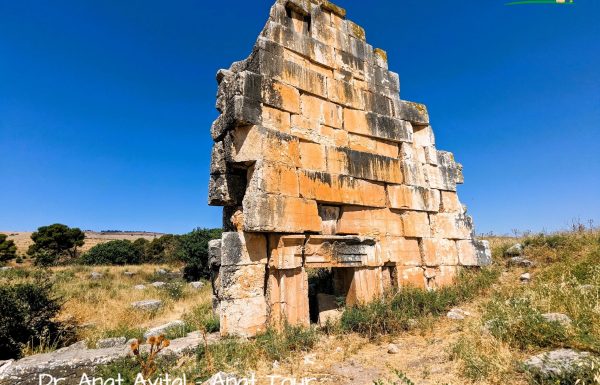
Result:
{"points": [[142, 245], [194, 252], [164, 249], [117, 252], [55, 241], [8, 250]]}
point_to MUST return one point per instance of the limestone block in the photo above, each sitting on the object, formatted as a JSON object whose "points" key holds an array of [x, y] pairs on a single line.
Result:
{"points": [[413, 112], [281, 96], [366, 285], [287, 295], [473, 252], [275, 178], [355, 67], [312, 156], [304, 79], [446, 276], [286, 251], [423, 136], [411, 276], [253, 143], [218, 164], [329, 217], [241, 110], [430, 155], [238, 249], [379, 104], [276, 213], [450, 202], [328, 308], [243, 317], [413, 172], [276, 119], [413, 198], [329, 188], [344, 93], [370, 222], [238, 282], [400, 251], [451, 225], [218, 129], [415, 224], [373, 145], [334, 9], [363, 165], [438, 252], [225, 189], [320, 110], [214, 253], [334, 250]]}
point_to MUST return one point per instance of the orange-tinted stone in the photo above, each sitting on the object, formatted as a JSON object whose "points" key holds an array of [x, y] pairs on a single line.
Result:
{"points": [[437, 252]]}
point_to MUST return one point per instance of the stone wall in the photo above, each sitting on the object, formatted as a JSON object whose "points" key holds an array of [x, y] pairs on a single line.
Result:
{"points": [[318, 163]]}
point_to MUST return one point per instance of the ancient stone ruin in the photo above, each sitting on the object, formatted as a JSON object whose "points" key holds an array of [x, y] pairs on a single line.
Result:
{"points": [[318, 163]]}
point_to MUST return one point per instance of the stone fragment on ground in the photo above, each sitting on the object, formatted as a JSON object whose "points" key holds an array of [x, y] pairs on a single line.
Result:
{"points": [[525, 278], [140, 287], [111, 342], [129, 273], [71, 362], [520, 262], [158, 284], [197, 285], [557, 362], [562, 319], [515, 250], [457, 314], [163, 329], [393, 349], [328, 309], [149, 304], [96, 275], [6, 268]]}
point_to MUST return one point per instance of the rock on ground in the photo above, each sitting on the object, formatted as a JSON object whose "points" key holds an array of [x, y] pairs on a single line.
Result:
{"points": [[515, 250], [520, 262], [111, 342], [149, 304], [158, 284], [562, 319], [163, 329], [140, 287], [525, 277], [96, 275], [556, 362], [393, 349], [457, 314], [196, 285], [129, 273], [71, 362]]}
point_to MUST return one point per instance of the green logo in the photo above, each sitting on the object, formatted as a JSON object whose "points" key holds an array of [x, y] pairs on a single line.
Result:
{"points": [[558, 2]]}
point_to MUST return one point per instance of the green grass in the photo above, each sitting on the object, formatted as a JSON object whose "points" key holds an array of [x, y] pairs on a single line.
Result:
{"points": [[202, 318], [398, 311]]}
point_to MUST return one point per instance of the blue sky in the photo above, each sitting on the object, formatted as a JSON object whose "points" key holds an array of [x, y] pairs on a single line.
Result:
{"points": [[106, 106]]}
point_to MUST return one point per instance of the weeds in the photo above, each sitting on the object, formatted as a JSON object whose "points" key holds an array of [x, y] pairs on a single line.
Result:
{"points": [[202, 318], [398, 311], [402, 379]]}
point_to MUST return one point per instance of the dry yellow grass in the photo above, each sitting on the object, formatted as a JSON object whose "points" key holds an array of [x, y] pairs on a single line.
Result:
{"points": [[102, 307]]}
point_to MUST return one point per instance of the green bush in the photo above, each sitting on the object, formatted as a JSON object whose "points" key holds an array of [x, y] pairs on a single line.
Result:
{"points": [[202, 318], [399, 310], [8, 250], [27, 318], [118, 252], [292, 339]]}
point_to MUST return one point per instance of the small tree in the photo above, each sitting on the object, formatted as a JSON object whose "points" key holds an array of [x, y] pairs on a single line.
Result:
{"points": [[164, 249], [118, 252], [55, 241], [194, 252], [8, 250]]}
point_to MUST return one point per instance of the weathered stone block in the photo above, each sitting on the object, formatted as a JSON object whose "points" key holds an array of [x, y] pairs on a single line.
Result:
{"points": [[373, 145], [287, 295], [329, 217], [400, 251], [322, 111], [411, 276], [366, 286], [238, 249], [415, 224], [312, 156], [214, 253], [253, 143], [370, 221], [337, 189], [273, 178], [438, 252], [243, 281], [225, 189], [286, 251], [451, 225], [363, 165], [413, 198], [450, 202], [243, 317], [413, 112], [335, 250], [276, 213], [276, 119]]}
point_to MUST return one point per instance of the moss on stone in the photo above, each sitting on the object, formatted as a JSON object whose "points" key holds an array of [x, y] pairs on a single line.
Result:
{"points": [[381, 53], [357, 31], [329, 6]]}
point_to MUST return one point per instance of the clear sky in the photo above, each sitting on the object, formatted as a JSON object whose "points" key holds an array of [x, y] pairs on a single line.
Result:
{"points": [[106, 106]]}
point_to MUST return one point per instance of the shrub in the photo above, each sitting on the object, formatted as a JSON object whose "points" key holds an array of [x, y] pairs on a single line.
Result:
{"points": [[8, 250], [118, 252], [163, 250], [292, 339], [50, 243], [27, 317]]}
